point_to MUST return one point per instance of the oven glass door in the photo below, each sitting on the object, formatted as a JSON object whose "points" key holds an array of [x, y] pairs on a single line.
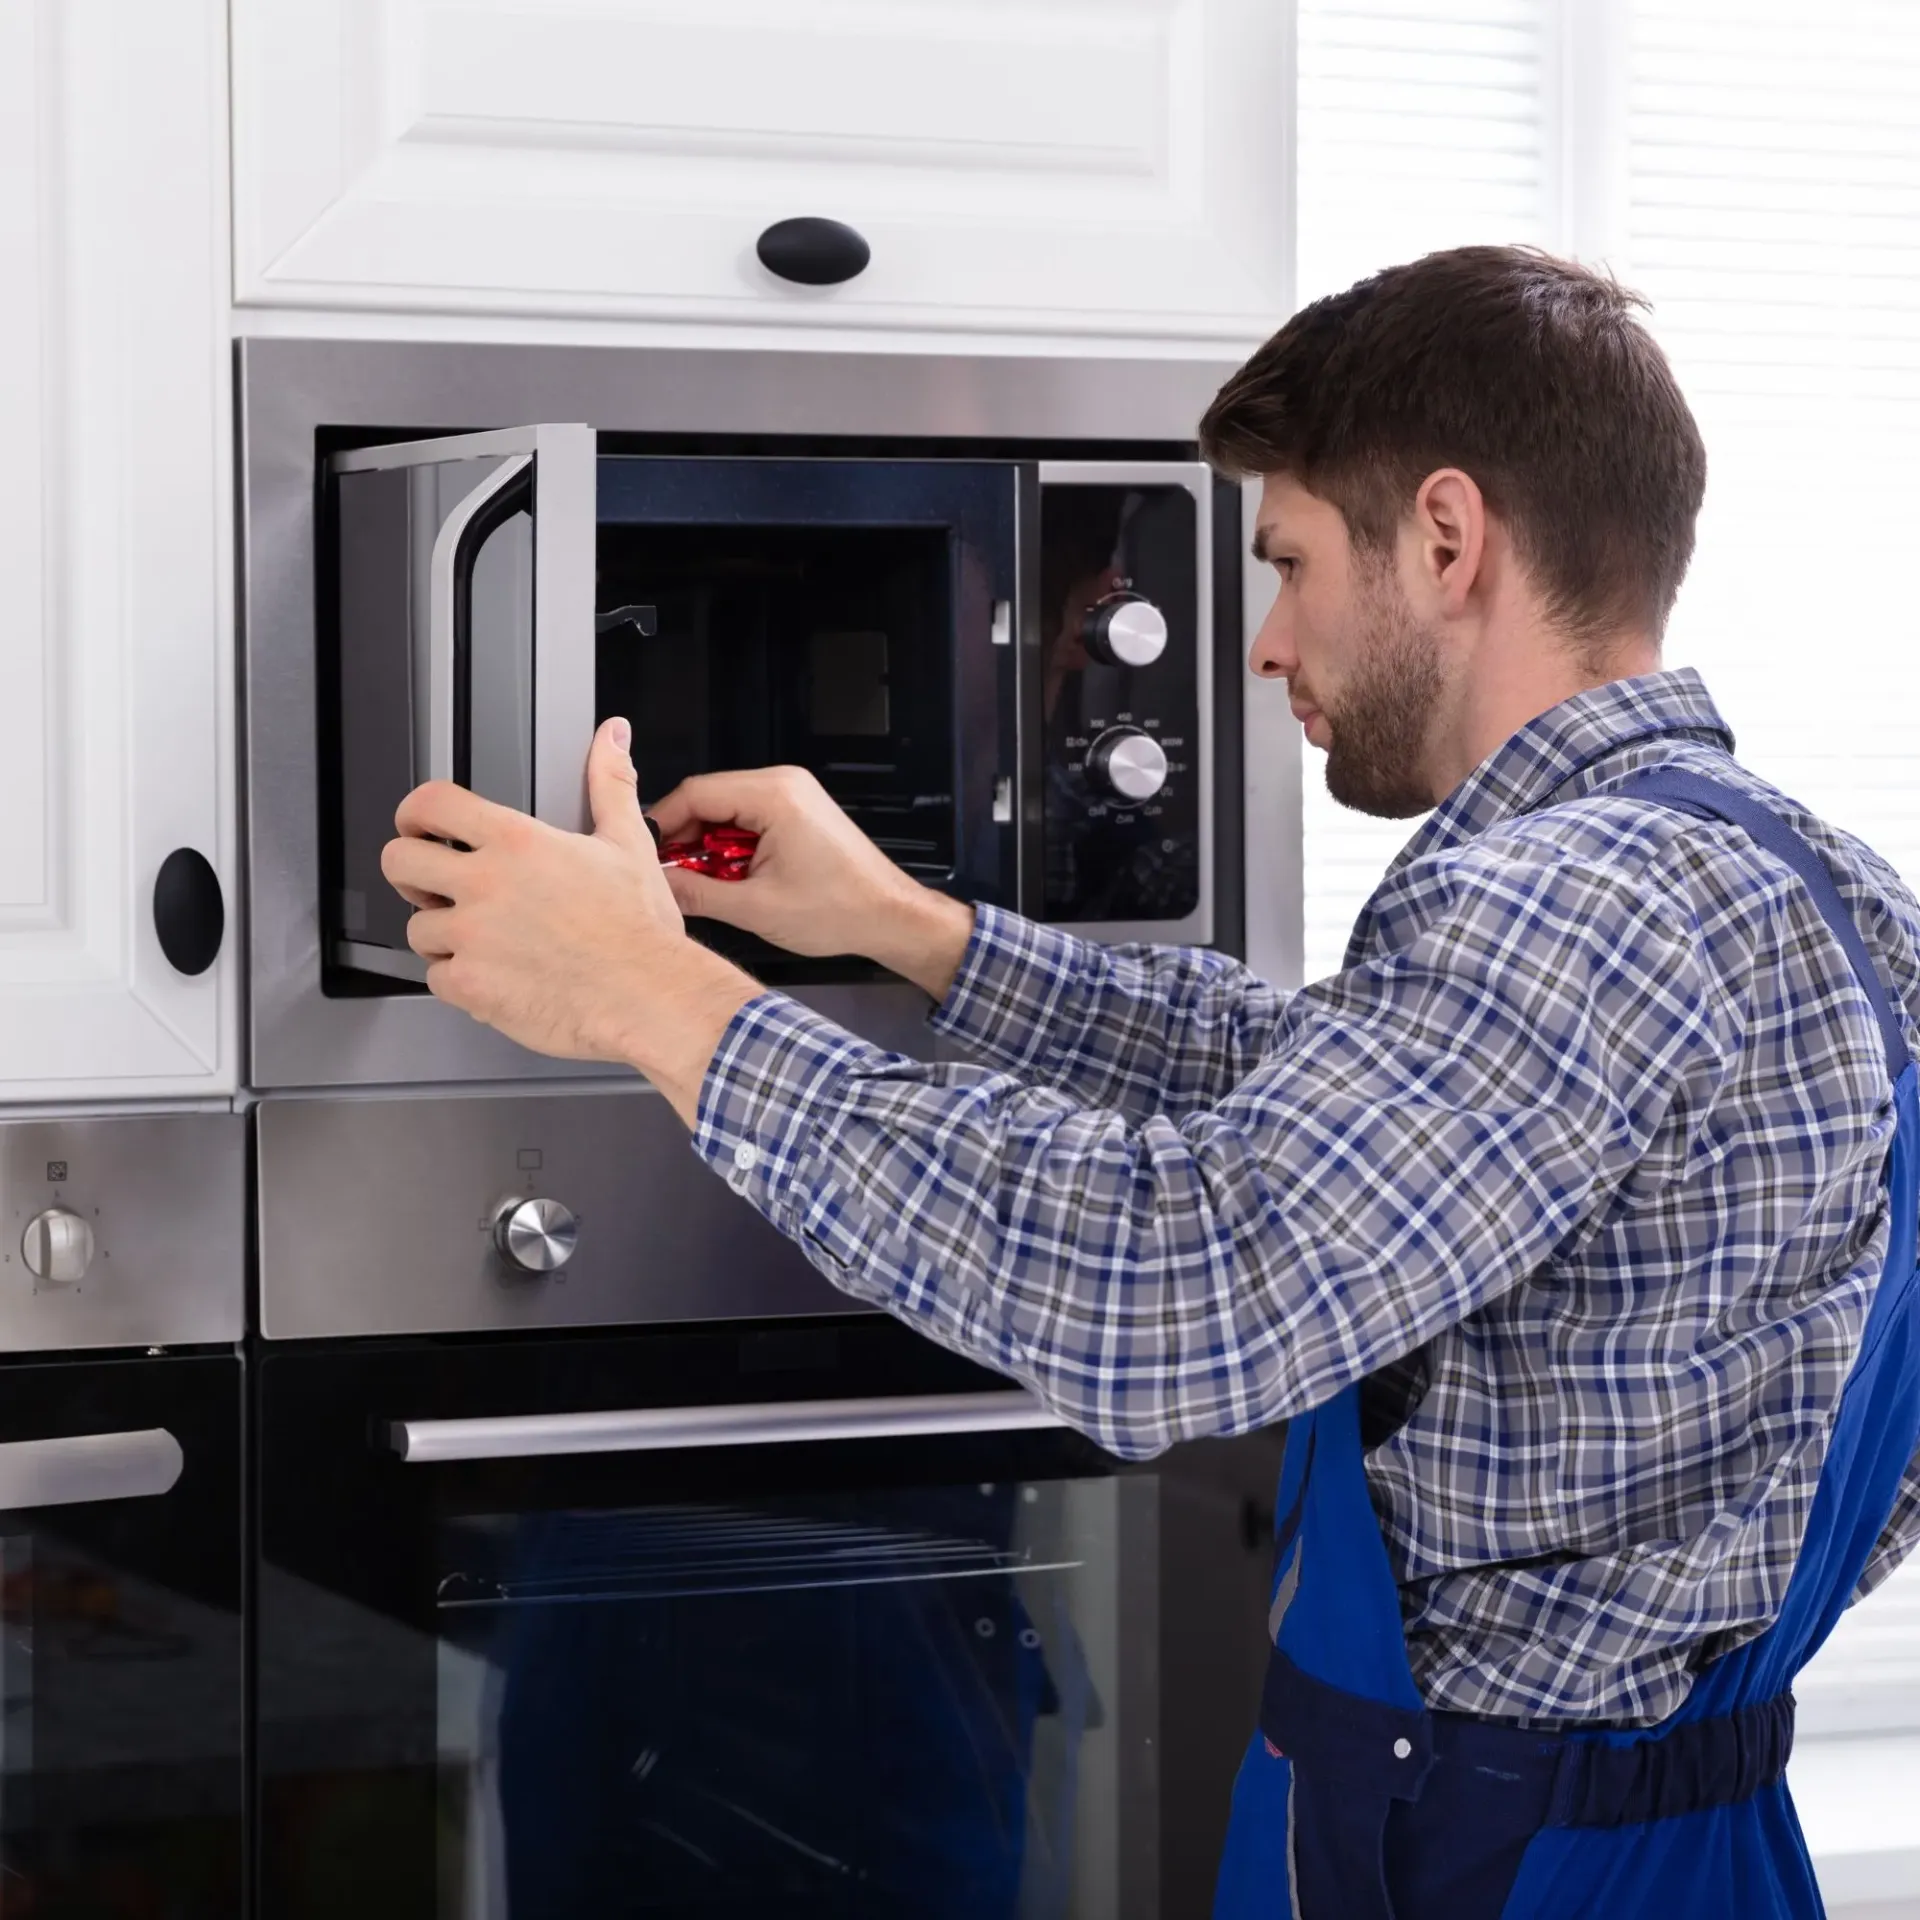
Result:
{"points": [[121, 1667], [873, 1655]]}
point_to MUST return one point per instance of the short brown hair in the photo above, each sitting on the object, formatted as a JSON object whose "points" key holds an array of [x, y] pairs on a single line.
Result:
{"points": [[1529, 373]]}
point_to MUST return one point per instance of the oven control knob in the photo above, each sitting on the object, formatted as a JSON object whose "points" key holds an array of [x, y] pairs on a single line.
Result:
{"points": [[537, 1236], [57, 1246], [1127, 765], [1125, 631]]}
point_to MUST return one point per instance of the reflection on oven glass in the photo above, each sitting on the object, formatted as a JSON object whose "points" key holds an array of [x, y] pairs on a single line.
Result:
{"points": [[16, 1712], [883, 1703], [119, 1721]]}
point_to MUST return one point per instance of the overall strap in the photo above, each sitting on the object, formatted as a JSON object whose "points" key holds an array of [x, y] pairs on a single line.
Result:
{"points": [[1710, 799]]}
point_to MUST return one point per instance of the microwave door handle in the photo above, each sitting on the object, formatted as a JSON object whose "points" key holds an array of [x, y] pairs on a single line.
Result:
{"points": [[668, 1429], [73, 1470], [456, 549]]}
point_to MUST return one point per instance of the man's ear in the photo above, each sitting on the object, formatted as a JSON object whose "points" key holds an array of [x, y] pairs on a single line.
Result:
{"points": [[1450, 525]]}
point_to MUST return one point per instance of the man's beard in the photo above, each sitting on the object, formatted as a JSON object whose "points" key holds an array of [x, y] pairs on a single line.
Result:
{"points": [[1379, 726]]}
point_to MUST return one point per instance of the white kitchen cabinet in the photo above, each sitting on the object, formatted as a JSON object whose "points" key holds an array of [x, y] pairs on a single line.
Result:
{"points": [[1081, 167], [116, 708]]}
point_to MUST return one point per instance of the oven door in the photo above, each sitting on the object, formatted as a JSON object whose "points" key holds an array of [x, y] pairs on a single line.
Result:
{"points": [[463, 624], [121, 1667], [816, 1621]]}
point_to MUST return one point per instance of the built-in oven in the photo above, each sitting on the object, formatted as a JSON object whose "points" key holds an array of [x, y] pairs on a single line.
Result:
{"points": [[811, 1620], [121, 1564], [994, 606]]}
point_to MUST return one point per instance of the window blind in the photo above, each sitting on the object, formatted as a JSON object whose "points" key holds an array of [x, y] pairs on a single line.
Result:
{"points": [[1774, 196], [1773, 217], [1422, 124]]}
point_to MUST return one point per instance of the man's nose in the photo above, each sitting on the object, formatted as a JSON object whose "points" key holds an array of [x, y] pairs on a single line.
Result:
{"points": [[1272, 655]]}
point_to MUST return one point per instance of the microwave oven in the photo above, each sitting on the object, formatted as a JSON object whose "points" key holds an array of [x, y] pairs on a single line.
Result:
{"points": [[995, 605], [995, 667]]}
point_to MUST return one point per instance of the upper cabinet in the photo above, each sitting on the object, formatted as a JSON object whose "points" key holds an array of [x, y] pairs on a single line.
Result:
{"points": [[116, 707], [1081, 167]]}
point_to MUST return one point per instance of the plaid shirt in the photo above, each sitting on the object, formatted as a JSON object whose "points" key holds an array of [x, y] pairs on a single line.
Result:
{"points": [[1577, 1164]]}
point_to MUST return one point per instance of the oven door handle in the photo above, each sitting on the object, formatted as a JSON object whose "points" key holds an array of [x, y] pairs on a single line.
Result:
{"points": [[73, 1470], [504, 492], [665, 1429]]}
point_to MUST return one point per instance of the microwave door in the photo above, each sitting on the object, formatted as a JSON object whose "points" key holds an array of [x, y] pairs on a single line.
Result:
{"points": [[464, 645]]}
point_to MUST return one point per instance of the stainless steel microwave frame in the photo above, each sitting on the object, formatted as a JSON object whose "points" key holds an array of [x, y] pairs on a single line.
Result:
{"points": [[292, 392]]}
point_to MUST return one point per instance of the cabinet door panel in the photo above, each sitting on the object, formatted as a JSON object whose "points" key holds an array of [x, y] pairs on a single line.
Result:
{"points": [[1091, 166], [116, 710]]}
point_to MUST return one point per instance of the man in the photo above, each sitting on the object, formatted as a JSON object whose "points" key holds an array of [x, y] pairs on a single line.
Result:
{"points": [[1555, 1224]]}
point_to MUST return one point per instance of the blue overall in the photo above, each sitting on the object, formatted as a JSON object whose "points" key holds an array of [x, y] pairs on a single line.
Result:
{"points": [[1356, 1803]]}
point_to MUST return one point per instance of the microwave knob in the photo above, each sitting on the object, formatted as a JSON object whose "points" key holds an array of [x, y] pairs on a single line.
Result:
{"points": [[1127, 765], [1125, 631], [57, 1246], [537, 1236]]}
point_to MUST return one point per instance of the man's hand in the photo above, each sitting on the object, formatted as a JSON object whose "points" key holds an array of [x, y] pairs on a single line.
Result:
{"points": [[568, 943], [818, 885]]}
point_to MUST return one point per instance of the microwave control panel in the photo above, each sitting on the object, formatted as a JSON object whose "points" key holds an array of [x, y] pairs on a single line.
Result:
{"points": [[1122, 700]]}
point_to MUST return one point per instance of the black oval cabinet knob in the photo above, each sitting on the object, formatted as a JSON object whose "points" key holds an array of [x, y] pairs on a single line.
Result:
{"points": [[813, 252], [189, 912]]}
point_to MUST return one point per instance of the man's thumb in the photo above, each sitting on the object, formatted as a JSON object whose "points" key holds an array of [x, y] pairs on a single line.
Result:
{"points": [[613, 789]]}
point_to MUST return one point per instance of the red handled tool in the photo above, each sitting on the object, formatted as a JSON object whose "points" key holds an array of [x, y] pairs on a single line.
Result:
{"points": [[721, 853]]}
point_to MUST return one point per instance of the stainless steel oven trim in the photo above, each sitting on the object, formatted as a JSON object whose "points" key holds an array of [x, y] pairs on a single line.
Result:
{"points": [[455, 446], [669, 1429], [566, 519], [291, 389], [385, 961], [74, 1470], [1273, 752], [1196, 929]]}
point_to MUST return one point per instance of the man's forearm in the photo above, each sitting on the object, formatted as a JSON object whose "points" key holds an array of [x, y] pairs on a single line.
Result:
{"points": [[682, 1021], [923, 938]]}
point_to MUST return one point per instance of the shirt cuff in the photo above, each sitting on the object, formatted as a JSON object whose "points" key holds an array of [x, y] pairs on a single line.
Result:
{"points": [[778, 1065], [1009, 998]]}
